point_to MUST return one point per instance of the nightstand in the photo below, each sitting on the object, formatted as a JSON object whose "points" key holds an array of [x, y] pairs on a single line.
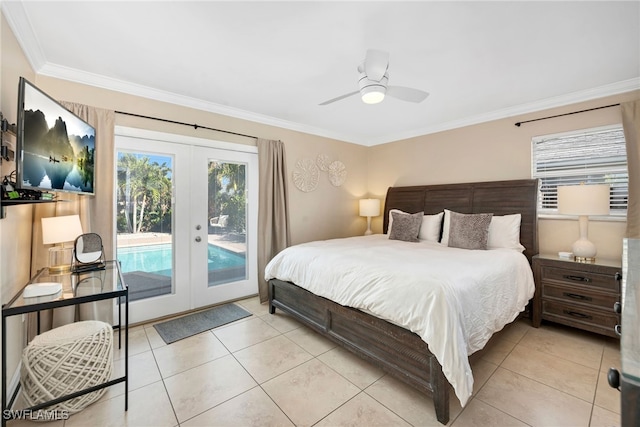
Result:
{"points": [[581, 295]]}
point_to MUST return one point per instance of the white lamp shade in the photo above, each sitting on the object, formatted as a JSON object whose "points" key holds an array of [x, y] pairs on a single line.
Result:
{"points": [[583, 199], [369, 207], [60, 229]]}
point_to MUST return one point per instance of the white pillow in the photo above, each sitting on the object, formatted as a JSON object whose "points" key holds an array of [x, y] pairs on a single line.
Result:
{"points": [[504, 232], [430, 228], [445, 228]]}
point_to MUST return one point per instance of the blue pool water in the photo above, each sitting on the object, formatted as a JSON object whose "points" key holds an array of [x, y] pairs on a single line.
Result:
{"points": [[157, 259]]}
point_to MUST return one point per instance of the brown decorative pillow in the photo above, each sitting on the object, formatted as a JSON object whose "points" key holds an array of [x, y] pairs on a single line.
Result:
{"points": [[469, 231], [406, 226]]}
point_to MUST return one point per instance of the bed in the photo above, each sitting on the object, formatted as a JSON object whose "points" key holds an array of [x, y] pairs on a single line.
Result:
{"points": [[393, 339]]}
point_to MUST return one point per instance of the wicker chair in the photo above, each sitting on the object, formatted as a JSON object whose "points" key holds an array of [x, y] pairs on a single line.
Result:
{"points": [[65, 360]]}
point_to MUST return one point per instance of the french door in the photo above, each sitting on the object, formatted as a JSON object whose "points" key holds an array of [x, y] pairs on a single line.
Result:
{"points": [[186, 217]]}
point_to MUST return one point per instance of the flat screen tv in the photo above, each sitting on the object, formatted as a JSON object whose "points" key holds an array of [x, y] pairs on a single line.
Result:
{"points": [[56, 149]]}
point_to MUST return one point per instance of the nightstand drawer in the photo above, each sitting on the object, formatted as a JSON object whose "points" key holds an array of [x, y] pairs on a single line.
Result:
{"points": [[581, 278], [575, 315], [580, 296]]}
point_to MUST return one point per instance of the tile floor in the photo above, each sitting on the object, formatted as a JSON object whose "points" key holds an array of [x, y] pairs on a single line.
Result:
{"points": [[269, 370]]}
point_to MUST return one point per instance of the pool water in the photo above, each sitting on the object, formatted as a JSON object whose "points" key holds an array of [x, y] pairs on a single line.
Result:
{"points": [[157, 259]]}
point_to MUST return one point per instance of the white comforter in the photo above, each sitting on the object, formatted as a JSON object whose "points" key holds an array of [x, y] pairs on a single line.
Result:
{"points": [[454, 299]]}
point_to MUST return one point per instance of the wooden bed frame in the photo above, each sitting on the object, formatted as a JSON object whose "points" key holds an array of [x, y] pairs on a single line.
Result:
{"points": [[396, 350]]}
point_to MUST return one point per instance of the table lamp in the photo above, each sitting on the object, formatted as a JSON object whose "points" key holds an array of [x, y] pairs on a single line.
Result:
{"points": [[59, 230], [369, 208], [584, 200]]}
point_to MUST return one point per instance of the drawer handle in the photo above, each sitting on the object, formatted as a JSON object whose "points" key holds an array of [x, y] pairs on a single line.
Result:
{"points": [[618, 330], [576, 314], [577, 296], [577, 278]]}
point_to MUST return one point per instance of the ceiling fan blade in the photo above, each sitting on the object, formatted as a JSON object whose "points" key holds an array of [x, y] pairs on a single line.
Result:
{"points": [[339, 98], [375, 64], [407, 93]]}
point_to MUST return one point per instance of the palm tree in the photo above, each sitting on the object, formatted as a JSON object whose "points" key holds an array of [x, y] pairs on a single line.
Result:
{"points": [[227, 186], [144, 189]]}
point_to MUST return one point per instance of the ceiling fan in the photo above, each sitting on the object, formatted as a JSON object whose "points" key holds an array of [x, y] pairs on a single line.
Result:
{"points": [[374, 79]]}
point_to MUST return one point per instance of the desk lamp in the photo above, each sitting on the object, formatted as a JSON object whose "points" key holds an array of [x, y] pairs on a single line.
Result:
{"points": [[59, 230]]}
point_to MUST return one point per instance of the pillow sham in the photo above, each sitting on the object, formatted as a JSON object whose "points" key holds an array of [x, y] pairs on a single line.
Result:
{"points": [[405, 226], [430, 228], [469, 231], [504, 232]]}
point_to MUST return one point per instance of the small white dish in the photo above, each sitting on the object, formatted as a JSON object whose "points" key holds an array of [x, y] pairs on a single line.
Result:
{"points": [[42, 289]]}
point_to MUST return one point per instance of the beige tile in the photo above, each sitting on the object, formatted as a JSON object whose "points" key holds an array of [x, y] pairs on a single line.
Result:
{"points": [[252, 408], [281, 321], [199, 389], [244, 334], [515, 331], [561, 374], [155, 340], [410, 404], [148, 406], [479, 414], [611, 355], [143, 371], [138, 342], [309, 392], [253, 305], [481, 370], [600, 417], [270, 358], [606, 396], [188, 353], [570, 344], [497, 351], [352, 367], [532, 402], [310, 340], [363, 411]]}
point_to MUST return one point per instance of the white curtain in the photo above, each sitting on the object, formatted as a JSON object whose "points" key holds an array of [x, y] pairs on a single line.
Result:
{"points": [[96, 212], [273, 207], [631, 126]]}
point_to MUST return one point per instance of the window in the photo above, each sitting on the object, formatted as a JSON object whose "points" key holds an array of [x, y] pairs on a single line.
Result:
{"points": [[592, 156]]}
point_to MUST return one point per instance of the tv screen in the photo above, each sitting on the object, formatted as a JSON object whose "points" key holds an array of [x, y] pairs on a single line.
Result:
{"points": [[56, 149]]}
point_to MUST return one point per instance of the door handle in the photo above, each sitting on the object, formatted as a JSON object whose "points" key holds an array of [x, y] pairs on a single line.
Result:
{"points": [[198, 239]]}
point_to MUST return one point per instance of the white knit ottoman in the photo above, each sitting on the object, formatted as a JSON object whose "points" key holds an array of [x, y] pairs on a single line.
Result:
{"points": [[67, 359]]}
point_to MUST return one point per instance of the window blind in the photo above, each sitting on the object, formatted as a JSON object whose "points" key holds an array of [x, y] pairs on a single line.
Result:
{"points": [[590, 156]]}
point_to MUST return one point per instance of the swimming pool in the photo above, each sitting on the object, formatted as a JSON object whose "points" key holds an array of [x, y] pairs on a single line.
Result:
{"points": [[157, 258]]}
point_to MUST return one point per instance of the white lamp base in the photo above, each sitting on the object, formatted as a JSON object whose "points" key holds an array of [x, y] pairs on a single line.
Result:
{"points": [[368, 232], [583, 249]]}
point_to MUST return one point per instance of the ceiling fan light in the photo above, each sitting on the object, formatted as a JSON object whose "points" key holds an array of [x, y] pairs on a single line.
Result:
{"points": [[372, 95]]}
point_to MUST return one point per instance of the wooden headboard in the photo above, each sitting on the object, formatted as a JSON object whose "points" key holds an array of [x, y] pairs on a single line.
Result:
{"points": [[497, 197]]}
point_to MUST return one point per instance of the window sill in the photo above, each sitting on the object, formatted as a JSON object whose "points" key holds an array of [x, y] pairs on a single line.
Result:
{"points": [[599, 218]]}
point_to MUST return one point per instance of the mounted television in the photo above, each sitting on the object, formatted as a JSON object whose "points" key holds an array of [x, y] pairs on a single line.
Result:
{"points": [[56, 149]]}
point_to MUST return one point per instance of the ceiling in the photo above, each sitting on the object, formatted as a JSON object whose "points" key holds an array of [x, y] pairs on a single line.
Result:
{"points": [[274, 62]]}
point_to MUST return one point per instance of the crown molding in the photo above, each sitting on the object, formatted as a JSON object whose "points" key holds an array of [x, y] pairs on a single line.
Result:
{"points": [[532, 107], [21, 26], [100, 81], [96, 80]]}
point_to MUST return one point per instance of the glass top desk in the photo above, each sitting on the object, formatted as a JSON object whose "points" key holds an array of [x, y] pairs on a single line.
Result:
{"points": [[77, 288]]}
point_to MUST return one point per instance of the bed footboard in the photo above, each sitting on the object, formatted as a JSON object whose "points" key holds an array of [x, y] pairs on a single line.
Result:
{"points": [[396, 350]]}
